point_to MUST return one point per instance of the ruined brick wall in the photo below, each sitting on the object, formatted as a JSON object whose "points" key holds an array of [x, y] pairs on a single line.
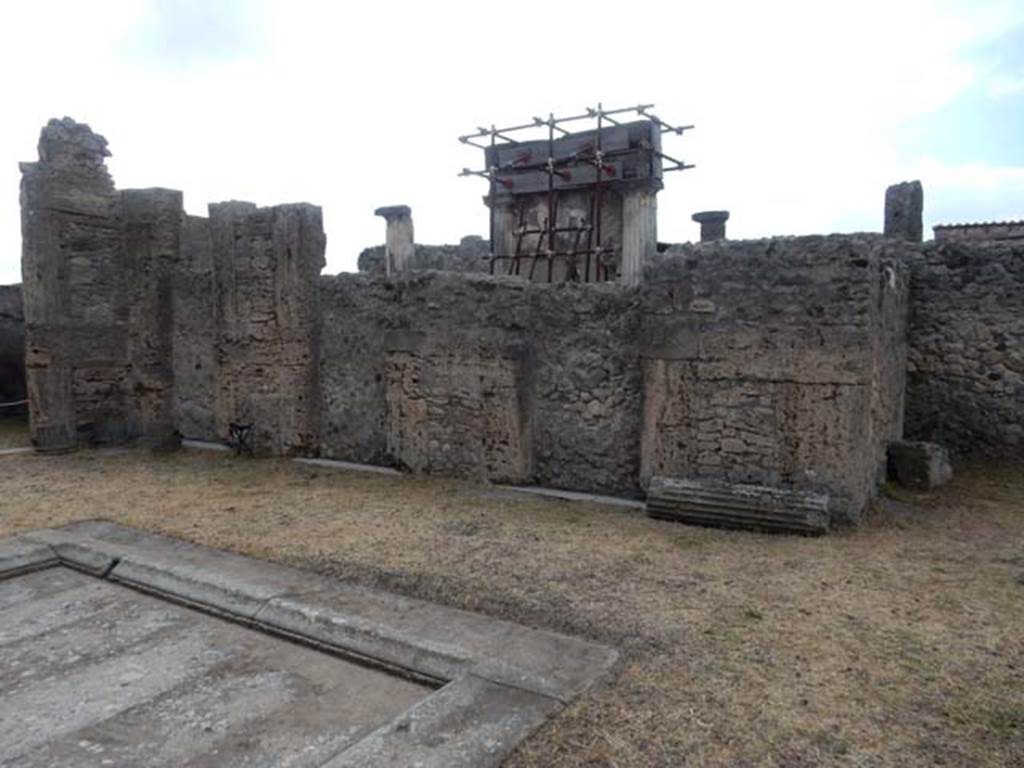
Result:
{"points": [[12, 351], [775, 362], [965, 381]]}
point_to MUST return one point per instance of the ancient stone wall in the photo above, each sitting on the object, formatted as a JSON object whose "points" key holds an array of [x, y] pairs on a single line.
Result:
{"points": [[152, 220], [965, 380], [76, 310], [12, 351], [266, 315], [778, 362], [588, 386], [487, 376], [142, 322], [195, 333], [428, 373]]}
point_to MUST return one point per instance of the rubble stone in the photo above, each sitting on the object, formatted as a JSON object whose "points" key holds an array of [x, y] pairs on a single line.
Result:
{"points": [[920, 465]]}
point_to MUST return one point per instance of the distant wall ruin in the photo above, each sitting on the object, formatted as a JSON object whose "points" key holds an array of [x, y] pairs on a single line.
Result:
{"points": [[780, 362], [12, 353]]}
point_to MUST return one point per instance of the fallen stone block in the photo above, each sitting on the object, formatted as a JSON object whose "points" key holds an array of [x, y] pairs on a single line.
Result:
{"points": [[731, 505], [919, 465]]}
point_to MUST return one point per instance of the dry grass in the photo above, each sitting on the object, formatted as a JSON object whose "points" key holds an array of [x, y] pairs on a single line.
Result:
{"points": [[900, 643]]}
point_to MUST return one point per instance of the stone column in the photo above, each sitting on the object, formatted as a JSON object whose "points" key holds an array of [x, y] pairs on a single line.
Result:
{"points": [[399, 244], [904, 204], [639, 233], [712, 224]]}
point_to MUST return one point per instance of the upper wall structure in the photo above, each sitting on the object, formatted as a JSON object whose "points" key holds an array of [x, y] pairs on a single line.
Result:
{"points": [[777, 362]]}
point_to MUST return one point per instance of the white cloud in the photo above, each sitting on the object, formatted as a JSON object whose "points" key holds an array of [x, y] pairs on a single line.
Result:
{"points": [[1005, 85], [353, 106]]}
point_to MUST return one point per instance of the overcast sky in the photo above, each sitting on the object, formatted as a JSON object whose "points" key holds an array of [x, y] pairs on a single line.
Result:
{"points": [[804, 111]]}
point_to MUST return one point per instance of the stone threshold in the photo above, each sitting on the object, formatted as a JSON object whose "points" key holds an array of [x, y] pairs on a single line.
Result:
{"points": [[558, 493], [16, 451], [496, 681]]}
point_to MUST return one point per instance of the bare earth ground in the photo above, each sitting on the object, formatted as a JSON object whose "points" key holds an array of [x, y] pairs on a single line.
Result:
{"points": [[899, 643]]}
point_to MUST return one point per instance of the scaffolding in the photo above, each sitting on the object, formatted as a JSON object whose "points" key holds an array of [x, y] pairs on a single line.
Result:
{"points": [[604, 157]]}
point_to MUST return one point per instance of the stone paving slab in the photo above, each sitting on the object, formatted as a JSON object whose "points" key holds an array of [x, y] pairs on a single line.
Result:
{"points": [[496, 681], [467, 722], [117, 677], [19, 554]]}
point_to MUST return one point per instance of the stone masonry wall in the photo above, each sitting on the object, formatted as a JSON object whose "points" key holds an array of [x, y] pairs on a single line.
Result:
{"points": [[144, 323], [776, 362], [76, 312], [779, 362], [428, 373], [486, 376], [195, 337], [152, 220], [965, 380], [266, 262]]}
